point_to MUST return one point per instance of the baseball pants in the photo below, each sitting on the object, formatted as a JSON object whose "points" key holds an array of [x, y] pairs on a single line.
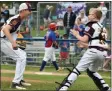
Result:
{"points": [[18, 55], [49, 54]]}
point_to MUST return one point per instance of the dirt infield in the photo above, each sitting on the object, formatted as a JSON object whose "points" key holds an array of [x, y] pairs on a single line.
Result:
{"points": [[45, 73], [9, 79], [38, 73]]}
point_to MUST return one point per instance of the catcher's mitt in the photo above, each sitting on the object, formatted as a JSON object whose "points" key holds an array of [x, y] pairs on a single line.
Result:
{"points": [[22, 45]]}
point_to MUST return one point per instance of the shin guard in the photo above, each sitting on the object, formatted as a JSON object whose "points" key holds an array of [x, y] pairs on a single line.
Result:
{"points": [[67, 82], [98, 80]]}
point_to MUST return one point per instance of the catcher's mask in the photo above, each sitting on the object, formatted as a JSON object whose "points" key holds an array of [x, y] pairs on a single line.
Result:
{"points": [[52, 26]]}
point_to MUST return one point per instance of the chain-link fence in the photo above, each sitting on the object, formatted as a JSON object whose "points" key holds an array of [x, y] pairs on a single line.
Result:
{"points": [[35, 50]]}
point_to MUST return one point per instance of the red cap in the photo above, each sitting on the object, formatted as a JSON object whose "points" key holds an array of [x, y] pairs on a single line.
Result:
{"points": [[52, 26]]}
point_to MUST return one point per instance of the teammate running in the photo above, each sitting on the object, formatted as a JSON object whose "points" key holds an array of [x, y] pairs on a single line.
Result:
{"points": [[50, 46]]}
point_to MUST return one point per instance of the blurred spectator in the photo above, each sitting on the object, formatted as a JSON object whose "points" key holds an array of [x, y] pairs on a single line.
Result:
{"points": [[84, 18], [80, 28], [104, 10], [7, 14], [4, 14], [64, 51], [106, 63], [59, 24], [25, 28], [2, 19], [47, 15], [3, 7], [69, 19], [107, 60]]}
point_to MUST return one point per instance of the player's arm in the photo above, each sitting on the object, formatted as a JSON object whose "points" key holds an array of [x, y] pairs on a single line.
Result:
{"points": [[6, 31], [7, 28], [85, 38], [88, 33]]}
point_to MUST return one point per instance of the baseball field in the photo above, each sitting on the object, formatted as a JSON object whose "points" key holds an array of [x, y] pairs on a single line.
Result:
{"points": [[46, 80]]}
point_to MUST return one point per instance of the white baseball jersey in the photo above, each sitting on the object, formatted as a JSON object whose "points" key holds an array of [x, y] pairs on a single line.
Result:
{"points": [[93, 30], [14, 22], [6, 47]]}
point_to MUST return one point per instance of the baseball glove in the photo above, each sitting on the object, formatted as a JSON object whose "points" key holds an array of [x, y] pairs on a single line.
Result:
{"points": [[21, 43]]}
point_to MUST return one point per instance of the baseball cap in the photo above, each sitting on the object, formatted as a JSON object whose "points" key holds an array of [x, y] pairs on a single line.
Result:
{"points": [[24, 6]]}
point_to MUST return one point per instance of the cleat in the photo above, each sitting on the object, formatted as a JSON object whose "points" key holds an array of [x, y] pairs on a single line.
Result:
{"points": [[59, 69], [17, 86], [23, 83]]}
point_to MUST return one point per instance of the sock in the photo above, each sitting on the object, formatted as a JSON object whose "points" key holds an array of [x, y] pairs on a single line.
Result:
{"points": [[55, 65], [43, 65]]}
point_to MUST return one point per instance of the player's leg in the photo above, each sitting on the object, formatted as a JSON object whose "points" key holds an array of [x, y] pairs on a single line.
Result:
{"points": [[20, 57], [53, 58], [83, 64], [21, 63], [47, 56], [96, 77]]}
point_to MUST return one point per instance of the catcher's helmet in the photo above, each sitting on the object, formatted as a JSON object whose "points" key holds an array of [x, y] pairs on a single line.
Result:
{"points": [[52, 26]]}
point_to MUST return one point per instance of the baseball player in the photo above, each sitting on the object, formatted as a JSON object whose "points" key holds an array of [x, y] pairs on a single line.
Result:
{"points": [[50, 46], [96, 36], [9, 47]]}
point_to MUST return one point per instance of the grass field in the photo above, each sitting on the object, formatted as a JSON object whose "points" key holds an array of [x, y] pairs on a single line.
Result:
{"points": [[47, 81], [42, 33]]}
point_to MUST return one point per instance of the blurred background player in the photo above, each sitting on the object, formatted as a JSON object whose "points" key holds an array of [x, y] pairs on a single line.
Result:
{"points": [[104, 10], [10, 48], [50, 46], [47, 15], [80, 27], [64, 51]]}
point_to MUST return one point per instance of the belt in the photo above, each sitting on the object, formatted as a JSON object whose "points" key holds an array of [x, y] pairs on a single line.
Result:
{"points": [[98, 48]]}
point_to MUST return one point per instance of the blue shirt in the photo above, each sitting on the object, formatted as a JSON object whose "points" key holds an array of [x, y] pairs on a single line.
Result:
{"points": [[80, 28], [50, 37], [64, 46]]}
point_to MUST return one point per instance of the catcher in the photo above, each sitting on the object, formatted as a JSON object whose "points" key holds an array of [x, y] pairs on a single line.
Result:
{"points": [[50, 46]]}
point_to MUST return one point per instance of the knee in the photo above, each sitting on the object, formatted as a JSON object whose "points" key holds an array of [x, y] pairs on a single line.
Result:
{"points": [[76, 71], [90, 73]]}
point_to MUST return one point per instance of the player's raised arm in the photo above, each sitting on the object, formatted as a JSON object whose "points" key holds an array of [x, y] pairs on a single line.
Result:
{"points": [[85, 38]]}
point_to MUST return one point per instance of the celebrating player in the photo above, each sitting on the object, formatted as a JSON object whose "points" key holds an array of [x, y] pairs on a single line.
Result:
{"points": [[95, 54], [10, 48], [50, 46]]}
